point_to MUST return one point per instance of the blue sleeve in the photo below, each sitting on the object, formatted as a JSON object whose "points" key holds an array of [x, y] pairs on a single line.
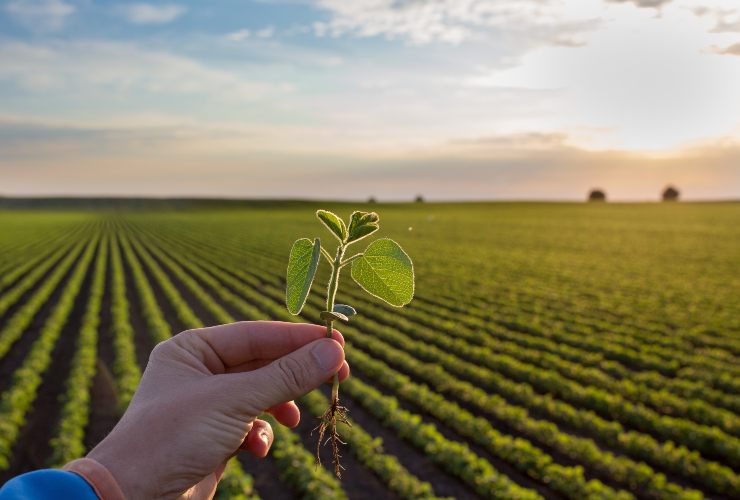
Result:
{"points": [[45, 484]]}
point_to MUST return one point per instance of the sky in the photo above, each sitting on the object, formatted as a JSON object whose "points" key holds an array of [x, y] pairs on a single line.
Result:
{"points": [[346, 99]]}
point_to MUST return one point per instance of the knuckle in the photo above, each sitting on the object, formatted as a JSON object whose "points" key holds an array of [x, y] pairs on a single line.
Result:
{"points": [[160, 351], [293, 372]]}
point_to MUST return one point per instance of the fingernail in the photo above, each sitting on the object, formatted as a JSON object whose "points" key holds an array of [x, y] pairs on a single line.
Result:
{"points": [[327, 354]]}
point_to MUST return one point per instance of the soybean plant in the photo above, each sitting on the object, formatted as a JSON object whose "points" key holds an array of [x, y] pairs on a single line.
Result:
{"points": [[383, 270]]}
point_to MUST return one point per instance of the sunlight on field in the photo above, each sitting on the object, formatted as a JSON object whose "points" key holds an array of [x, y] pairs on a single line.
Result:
{"points": [[551, 350]]}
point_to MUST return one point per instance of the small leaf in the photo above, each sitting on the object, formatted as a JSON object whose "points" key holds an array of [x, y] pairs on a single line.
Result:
{"points": [[302, 264], [334, 223], [348, 311], [385, 271], [334, 316], [362, 224]]}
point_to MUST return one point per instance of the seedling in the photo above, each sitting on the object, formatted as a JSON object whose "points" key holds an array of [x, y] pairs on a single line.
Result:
{"points": [[383, 270]]}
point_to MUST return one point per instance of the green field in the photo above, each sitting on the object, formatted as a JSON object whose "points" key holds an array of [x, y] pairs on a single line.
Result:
{"points": [[552, 350]]}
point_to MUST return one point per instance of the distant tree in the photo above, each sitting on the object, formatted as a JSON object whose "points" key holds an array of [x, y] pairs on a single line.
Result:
{"points": [[419, 199], [670, 194], [597, 195], [372, 200]]}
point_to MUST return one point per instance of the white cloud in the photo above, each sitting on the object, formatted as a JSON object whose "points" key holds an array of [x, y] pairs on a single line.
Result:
{"points": [[146, 13], [454, 21], [238, 36], [266, 32], [40, 15]]}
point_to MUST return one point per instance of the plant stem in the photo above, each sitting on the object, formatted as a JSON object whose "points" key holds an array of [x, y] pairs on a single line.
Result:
{"points": [[331, 295]]}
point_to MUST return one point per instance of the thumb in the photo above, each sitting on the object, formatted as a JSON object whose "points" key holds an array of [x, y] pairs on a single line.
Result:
{"points": [[287, 378]]}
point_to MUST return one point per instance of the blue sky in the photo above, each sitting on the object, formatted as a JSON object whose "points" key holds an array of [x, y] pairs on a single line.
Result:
{"points": [[455, 99]]}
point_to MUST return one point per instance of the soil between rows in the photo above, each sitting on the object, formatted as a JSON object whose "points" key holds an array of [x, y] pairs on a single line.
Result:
{"points": [[32, 449], [103, 392], [21, 301], [19, 350]]}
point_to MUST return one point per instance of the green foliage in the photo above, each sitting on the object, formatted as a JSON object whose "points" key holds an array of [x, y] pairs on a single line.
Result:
{"points": [[69, 441], [385, 271], [334, 224], [362, 224], [304, 259], [564, 329], [18, 398]]}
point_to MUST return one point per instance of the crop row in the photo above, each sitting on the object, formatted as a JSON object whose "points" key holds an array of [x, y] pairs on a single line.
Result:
{"points": [[23, 317], [125, 369], [455, 457], [297, 466], [604, 308], [666, 403], [521, 454], [20, 395], [651, 379], [668, 361], [14, 256], [12, 295], [158, 328], [619, 346], [628, 331], [635, 476], [69, 441], [369, 451], [696, 436], [32, 261]]}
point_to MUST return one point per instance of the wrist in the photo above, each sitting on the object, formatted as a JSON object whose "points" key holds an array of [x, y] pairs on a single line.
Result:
{"points": [[122, 471], [99, 477]]}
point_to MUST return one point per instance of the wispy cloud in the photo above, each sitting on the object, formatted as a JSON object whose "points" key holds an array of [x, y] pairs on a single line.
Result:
{"points": [[147, 13], [644, 3], [239, 35], [117, 158], [266, 32], [452, 21], [96, 67], [733, 50], [40, 15]]}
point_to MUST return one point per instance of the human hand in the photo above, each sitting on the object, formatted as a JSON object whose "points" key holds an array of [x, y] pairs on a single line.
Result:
{"points": [[199, 398]]}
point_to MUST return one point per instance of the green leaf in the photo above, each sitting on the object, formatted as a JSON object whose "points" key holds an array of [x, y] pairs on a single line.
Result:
{"points": [[362, 224], [385, 271], [334, 223], [334, 316], [348, 311], [302, 264]]}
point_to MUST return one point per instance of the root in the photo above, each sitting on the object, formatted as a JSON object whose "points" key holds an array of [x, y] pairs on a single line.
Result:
{"points": [[328, 428]]}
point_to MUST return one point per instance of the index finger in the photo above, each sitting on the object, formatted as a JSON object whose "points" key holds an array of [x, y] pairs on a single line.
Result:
{"points": [[224, 346]]}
